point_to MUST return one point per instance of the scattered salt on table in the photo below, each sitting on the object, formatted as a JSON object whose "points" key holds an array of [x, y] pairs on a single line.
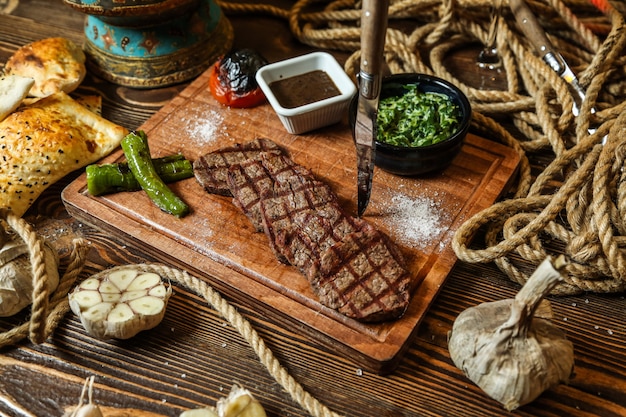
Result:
{"points": [[416, 220], [203, 129]]}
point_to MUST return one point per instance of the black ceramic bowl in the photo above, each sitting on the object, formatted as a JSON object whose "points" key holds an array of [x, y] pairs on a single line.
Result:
{"points": [[408, 161]]}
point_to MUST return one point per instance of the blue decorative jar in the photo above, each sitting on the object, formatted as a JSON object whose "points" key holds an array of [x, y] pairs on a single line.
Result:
{"points": [[152, 43]]}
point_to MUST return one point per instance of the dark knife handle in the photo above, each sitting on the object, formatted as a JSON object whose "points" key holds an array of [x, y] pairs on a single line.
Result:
{"points": [[531, 27], [373, 30]]}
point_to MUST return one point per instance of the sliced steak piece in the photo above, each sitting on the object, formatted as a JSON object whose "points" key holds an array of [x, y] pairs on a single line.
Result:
{"points": [[352, 267], [248, 182], [211, 169], [285, 210], [363, 277], [309, 234], [276, 180]]}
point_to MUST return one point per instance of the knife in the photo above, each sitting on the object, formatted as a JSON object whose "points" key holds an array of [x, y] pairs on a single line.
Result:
{"points": [[373, 29], [537, 36]]}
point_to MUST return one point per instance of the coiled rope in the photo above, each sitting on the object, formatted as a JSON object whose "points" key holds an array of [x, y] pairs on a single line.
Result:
{"points": [[245, 329], [575, 204], [49, 307]]}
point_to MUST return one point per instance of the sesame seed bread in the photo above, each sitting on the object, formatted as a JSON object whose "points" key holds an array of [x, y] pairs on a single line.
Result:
{"points": [[42, 142], [55, 64]]}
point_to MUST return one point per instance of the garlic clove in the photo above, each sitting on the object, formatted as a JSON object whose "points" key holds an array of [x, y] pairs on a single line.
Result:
{"points": [[145, 280], [121, 303], [120, 313], [89, 298], [132, 295], [158, 291], [147, 305], [506, 350], [239, 403], [90, 284], [199, 412], [122, 278]]}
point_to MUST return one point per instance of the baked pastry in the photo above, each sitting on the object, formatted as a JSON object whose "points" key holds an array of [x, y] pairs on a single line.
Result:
{"points": [[55, 64], [46, 140], [13, 89]]}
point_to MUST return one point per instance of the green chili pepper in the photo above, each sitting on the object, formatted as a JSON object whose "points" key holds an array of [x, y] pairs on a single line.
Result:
{"points": [[113, 178], [137, 152]]}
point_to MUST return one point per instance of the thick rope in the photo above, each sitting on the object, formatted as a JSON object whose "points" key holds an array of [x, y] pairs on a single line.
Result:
{"points": [[38, 271], [45, 310], [245, 329], [578, 200], [48, 309]]}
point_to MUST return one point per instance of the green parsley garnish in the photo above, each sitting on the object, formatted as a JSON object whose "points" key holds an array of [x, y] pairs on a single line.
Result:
{"points": [[416, 118]]}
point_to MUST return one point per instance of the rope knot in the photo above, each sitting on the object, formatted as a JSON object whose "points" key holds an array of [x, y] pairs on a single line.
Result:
{"points": [[584, 248]]}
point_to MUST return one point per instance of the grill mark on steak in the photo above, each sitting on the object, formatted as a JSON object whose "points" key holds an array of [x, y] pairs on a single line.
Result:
{"points": [[310, 234], [278, 182], [211, 169], [270, 190], [363, 277], [249, 181], [352, 267], [279, 212]]}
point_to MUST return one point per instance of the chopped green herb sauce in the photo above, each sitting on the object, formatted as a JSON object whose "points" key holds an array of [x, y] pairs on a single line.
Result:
{"points": [[416, 118]]}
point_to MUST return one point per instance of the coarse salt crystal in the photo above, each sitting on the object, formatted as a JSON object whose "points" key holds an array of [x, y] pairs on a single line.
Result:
{"points": [[416, 220], [203, 129]]}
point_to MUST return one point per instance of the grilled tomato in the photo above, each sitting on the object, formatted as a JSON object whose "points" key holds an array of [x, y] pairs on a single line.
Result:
{"points": [[232, 81]]}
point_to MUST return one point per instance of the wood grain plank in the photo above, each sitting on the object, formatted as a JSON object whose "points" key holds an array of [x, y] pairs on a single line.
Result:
{"points": [[42, 380], [216, 242]]}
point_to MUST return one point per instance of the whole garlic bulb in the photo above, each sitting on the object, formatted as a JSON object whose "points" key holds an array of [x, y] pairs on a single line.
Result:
{"points": [[508, 352], [16, 275]]}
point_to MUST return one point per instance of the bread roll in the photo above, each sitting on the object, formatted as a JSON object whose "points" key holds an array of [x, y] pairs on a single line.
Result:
{"points": [[56, 64]]}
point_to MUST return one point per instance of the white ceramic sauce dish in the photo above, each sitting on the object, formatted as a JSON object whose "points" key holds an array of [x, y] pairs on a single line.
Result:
{"points": [[311, 116]]}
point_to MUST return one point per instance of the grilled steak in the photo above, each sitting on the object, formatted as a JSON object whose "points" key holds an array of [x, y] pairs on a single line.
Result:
{"points": [[352, 267], [309, 233], [211, 170], [275, 179], [363, 277]]}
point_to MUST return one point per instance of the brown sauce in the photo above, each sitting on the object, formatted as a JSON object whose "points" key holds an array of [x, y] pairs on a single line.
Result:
{"points": [[304, 89]]}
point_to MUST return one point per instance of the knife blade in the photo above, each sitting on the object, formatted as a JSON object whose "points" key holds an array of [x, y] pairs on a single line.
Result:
{"points": [[373, 30]]}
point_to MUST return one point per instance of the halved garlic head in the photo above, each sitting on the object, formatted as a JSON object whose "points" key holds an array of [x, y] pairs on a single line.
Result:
{"points": [[120, 304]]}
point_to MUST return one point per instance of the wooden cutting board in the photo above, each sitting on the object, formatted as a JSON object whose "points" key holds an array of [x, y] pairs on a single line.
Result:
{"points": [[217, 243]]}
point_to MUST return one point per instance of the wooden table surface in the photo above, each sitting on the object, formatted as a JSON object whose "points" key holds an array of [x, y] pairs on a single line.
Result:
{"points": [[194, 356]]}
